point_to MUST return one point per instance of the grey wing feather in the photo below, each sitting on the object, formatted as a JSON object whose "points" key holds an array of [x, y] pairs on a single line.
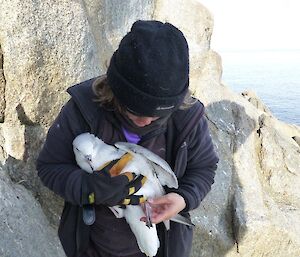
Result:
{"points": [[182, 220], [163, 170], [165, 178]]}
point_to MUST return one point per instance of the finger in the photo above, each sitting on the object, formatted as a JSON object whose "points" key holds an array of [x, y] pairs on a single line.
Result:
{"points": [[158, 200], [157, 208], [134, 200], [136, 184], [159, 217], [107, 167], [130, 176], [139, 181]]}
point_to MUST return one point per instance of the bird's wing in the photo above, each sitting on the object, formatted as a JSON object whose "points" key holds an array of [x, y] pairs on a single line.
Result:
{"points": [[182, 220], [162, 169]]}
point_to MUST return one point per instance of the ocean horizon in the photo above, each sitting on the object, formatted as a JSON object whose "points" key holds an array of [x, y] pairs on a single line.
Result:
{"points": [[274, 75]]}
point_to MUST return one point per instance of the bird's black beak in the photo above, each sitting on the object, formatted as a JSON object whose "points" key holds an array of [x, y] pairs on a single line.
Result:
{"points": [[89, 160], [148, 215]]}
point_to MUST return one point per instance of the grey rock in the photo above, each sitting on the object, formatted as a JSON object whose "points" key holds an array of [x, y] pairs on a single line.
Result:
{"points": [[25, 231], [297, 139], [2, 88], [46, 46], [253, 98]]}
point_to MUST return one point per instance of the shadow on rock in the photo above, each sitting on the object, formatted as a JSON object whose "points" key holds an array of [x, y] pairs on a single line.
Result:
{"points": [[23, 172], [220, 215]]}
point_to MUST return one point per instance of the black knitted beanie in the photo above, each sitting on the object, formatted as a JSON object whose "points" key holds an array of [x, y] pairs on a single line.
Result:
{"points": [[149, 72]]}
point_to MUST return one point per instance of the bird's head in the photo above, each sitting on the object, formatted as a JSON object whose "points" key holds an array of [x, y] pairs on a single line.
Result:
{"points": [[92, 153], [83, 147]]}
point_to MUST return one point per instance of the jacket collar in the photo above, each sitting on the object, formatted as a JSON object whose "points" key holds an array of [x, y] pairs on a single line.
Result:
{"points": [[84, 97]]}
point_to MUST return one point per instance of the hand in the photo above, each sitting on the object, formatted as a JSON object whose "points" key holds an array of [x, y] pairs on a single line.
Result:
{"points": [[101, 188], [165, 207]]}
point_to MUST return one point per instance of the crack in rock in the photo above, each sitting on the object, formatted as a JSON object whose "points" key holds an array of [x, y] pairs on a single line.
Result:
{"points": [[2, 88]]}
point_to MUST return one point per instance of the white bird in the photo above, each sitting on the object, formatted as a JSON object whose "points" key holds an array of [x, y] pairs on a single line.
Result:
{"points": [[92, 154]]}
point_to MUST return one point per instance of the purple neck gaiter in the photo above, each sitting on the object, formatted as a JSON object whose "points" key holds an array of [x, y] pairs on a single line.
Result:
{"points": [[131, 137]]}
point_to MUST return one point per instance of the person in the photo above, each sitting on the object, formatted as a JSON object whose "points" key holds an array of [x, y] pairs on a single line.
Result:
{"points": [[143, 98]]}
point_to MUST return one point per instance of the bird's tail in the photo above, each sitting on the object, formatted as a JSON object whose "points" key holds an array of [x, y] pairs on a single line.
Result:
{"points": [[146, 237]]}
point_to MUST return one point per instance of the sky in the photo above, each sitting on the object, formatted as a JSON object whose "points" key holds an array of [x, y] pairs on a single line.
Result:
{"points": [[255, 24]]}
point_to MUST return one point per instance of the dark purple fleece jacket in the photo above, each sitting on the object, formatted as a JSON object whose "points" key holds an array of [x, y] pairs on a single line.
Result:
{"points": [[189, 152]]}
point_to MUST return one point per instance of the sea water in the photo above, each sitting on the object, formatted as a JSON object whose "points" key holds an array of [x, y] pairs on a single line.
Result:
{"points": [[273, 75]]}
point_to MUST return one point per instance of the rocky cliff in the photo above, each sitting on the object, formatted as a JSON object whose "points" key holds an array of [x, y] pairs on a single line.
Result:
{"points": [[46, 46]]}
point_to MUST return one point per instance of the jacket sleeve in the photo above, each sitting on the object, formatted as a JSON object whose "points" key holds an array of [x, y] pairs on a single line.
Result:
{"points": [[56, 163], [200, 168]]}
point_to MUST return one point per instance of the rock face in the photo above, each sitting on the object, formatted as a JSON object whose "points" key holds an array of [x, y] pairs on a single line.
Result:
{"points": [[23, 224], [2, 88], [252, 98], [46, 46]]}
